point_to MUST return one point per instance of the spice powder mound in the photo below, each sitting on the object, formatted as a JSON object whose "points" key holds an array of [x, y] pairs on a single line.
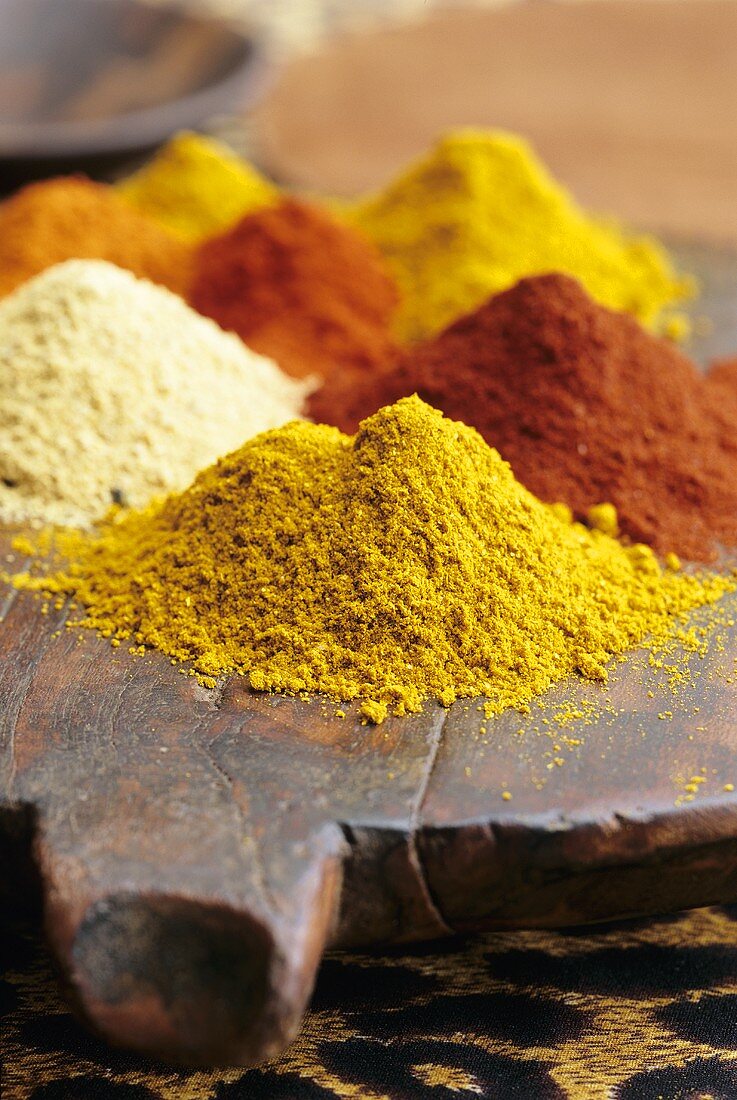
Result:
{"points": [[197, 187], [586, 405], [480, 211], [114, 390], [71, 218], [401, 564], [299, 286]]}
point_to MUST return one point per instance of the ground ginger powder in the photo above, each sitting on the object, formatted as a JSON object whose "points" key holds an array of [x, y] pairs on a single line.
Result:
{"points": [[197, 187], [479, 212], [114, 390], [403, 563]]}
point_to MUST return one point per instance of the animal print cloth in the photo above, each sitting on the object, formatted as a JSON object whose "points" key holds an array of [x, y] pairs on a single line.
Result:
{"points": [[633, 1011]]}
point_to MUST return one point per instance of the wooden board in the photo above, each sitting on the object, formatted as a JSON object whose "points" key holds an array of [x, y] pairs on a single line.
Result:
{"points": [[630, 103], [197, 851]]}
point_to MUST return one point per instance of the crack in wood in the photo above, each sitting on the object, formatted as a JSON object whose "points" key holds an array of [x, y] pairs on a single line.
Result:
{"points": [[115, 712], [5, 607], [415, 824], [6, 795], [204, 746], [9, 600]]}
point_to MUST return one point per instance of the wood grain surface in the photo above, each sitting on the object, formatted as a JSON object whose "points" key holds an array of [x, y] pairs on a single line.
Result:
{"points": [[631, 103], [196, 851]]}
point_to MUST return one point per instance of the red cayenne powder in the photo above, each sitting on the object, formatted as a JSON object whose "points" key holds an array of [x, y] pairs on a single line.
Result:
{"points": [[586, 406], [300, 287]]}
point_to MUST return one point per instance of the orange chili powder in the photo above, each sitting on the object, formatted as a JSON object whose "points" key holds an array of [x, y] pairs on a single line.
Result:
{"points": [[70, 217], [300, 287]]}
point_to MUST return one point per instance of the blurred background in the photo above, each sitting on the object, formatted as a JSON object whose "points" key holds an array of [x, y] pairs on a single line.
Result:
{"points": [[631, 102]]}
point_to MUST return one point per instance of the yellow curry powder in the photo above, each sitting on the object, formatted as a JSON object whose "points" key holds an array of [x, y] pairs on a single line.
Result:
{"points": [[479, 212], [197, 187], [403, 563]]}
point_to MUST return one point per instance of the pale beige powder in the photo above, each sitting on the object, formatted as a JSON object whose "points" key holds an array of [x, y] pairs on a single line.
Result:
{"points": [[113, 389]]}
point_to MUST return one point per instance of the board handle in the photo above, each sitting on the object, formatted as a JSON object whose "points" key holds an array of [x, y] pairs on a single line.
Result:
{"points": [[193, 981]]}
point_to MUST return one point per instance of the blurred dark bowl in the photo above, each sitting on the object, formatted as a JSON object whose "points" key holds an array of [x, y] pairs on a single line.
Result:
{"points": [[88, 84]]}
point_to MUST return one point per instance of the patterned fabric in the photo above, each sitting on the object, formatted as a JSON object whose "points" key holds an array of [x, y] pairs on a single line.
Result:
{"points": [[633, 1011]]}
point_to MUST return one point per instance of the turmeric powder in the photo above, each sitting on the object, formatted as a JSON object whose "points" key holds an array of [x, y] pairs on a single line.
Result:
{"points": [[403, 563], [479, 212], [197, 187]]}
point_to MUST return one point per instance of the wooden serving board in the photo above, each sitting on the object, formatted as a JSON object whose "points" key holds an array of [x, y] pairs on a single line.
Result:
{"points": [[197, 851]]}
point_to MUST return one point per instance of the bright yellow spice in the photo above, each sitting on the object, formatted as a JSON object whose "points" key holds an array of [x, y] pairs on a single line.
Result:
{"points": [[197, 187], [397, 565], [604, 518], [479, 212]]}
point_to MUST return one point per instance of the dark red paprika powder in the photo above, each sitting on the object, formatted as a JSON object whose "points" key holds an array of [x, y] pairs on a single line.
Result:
{"points": [[299, 286], [587, 407]]}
